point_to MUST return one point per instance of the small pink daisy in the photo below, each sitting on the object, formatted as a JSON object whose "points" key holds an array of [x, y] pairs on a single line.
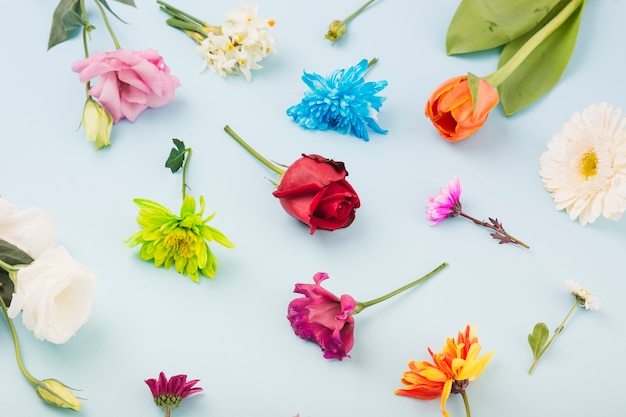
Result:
{"points": [[169, 393]]}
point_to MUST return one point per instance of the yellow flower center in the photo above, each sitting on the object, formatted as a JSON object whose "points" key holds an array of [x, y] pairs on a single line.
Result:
{"points": [[589, 164], [180, 242]]}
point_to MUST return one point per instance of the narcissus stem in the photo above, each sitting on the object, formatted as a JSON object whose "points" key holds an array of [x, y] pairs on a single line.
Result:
{"points": [[257, 155], [360, 306]]}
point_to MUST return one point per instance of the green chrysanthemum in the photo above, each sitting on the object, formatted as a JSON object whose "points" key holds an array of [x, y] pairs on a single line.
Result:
{"points": [[177, 240]]}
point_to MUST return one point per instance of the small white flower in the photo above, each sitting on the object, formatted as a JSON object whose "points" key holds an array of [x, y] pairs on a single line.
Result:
{"points": [[584, 297], [31, 230], [54, 294], [584, 167]]}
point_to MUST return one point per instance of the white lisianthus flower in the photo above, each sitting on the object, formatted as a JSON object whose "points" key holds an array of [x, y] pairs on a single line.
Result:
{"points": [[584, 297], [54, 294], [31, 230], [584, 167]]}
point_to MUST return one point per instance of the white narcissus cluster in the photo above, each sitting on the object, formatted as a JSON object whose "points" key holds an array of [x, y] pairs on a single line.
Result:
{"points": [[239, 44], [54, 293]]}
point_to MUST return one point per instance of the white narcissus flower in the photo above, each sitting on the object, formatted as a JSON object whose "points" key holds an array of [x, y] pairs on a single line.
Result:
{"points": [[584, 167], [54, 294], [31, 230]]}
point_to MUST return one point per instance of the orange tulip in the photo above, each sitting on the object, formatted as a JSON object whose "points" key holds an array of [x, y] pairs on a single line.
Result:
{"points": [[451, 110]]}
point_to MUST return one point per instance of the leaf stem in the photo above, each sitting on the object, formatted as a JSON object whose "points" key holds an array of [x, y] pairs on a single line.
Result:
{"points": [[254, 153], [499, 76], [108, 25], [556, 332], [360, 306], [18, 356]]}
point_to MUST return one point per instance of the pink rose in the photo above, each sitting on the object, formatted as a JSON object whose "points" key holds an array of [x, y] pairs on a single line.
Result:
{"points": [[323, 318], [129, 81]]}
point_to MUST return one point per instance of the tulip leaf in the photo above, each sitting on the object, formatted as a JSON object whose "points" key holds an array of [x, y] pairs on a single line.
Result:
{"points": [[11, 255], [478, 25], [473, 82], [538, 338], [177, 156], [543, 67], [65, 19]]}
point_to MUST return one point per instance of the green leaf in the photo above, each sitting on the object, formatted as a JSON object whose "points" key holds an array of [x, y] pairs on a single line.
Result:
{"points": [[473, 82], [12, 255], [478, 25], [106, 6], [64, 21], [127, 2], [177, 156], [538, 338], [542, 69]]}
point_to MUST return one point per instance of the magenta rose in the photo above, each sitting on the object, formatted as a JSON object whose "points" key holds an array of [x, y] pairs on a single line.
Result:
{"points": [[128, 81], [323, 318], [314, 190]]}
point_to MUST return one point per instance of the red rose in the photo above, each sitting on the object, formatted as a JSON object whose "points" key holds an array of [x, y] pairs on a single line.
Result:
{"points": [[314, 190]]}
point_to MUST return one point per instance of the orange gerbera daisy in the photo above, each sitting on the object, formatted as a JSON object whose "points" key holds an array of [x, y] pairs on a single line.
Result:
{"points": [[451, 370]]}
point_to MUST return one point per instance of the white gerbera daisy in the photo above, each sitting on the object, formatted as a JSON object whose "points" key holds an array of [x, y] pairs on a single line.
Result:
{"points": [[584, 167], [584, 297]]}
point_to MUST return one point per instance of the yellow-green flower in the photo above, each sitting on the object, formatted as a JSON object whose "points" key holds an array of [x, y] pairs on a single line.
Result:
{"points": [[56, 393], [97, 124], [181, 240]]}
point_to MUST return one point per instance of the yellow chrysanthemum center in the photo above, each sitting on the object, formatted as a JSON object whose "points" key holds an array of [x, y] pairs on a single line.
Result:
{"points": [[181, 242], [589, 164]]}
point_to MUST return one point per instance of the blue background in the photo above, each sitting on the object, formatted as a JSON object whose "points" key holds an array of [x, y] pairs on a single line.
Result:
{"points": [[232, 332]]}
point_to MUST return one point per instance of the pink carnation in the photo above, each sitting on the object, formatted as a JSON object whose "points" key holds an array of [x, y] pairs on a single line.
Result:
{"points": [[129, 81]]}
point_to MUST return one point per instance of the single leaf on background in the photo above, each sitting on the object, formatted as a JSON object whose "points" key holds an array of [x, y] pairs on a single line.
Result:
{"points": [[12, 255], [177, 156], [538, 338], [64, 14], [127, 2], [542, 69], [478, 25]]}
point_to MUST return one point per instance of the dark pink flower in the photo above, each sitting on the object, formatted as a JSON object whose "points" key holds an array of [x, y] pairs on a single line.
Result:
{"points": [[169, 393], [323, 318], [128, 81], [446, 203]]}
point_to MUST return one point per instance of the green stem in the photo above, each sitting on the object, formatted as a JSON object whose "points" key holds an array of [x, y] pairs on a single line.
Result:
{"points": [[556, 332], [33, 381], [108, 24], [466, 402], [254, 153], [499, 76], [173, 11], [360, 306], [167, 412], [188, 150], [355, 14]]}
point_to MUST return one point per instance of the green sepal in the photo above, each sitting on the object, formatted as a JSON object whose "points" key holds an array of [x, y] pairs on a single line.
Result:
{"points": [[527, 84], [65, 19], [473, 82], [177, 156], [478, 25], [538, 338], [11, 255]]}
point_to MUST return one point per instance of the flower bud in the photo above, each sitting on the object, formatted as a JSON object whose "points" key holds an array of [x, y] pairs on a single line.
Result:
{"points": [[56, 393], [336, 30], [97, 124]]}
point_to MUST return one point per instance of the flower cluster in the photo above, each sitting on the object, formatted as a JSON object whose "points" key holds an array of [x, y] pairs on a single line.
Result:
{"points": [[179, 241], [342, 101], [450, 372], [584, 167], [42, 281], [127, 82], [538, 339], [237, 46]]}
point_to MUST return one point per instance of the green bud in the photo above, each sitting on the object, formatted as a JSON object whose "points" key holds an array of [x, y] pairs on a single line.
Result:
{"points": [[56, 393], [97, 123], [336, 30]]}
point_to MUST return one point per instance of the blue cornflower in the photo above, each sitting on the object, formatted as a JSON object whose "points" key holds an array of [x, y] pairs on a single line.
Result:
{"points": [[342, 101]]}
